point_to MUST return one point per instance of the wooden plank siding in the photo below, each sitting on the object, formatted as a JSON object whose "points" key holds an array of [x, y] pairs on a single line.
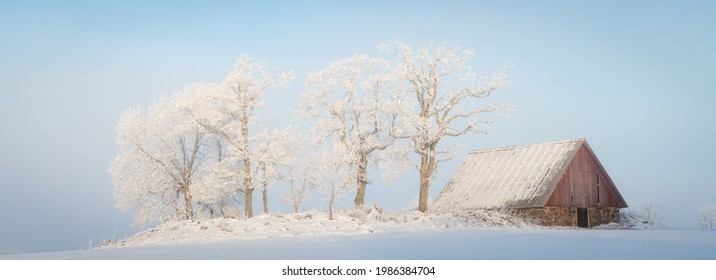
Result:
{"points": [[585, 184]]}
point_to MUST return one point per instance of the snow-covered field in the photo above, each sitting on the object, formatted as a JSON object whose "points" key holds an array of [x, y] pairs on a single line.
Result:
{"points": [[458, 243], [376, 235]]}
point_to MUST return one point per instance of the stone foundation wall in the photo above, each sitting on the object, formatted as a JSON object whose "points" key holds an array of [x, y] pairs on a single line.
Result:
{"points": [[600, 216], [567, 216], [551, 216]]}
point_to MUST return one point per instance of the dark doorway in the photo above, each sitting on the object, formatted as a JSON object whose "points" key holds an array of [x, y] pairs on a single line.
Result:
{"points": [[582, 217]]}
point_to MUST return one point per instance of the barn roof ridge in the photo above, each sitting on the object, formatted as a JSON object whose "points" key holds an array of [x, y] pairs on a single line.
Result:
{"points": [[504, 148]]}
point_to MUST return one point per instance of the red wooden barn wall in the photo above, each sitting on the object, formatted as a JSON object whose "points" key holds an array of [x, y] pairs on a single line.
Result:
{"points": [[579, 187]]}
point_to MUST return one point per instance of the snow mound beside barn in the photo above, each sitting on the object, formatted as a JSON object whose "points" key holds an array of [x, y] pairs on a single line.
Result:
{"points": [[314, 223]]}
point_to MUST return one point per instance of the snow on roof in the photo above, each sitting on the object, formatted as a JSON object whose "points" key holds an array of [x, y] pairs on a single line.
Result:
{"points": [[508, 177]]}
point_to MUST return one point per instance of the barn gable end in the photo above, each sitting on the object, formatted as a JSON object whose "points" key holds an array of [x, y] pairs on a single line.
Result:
{"points": [[585, 184]]}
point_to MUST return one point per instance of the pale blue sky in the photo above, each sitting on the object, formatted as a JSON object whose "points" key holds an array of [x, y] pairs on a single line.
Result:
{"points": [[636, 78]]}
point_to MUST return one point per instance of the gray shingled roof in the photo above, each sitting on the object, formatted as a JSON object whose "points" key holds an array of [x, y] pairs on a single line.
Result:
{"points": [[509, 177]]}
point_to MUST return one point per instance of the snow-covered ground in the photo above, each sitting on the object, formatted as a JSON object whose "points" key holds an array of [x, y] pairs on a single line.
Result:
{"points": [[313, 223], [375, 235], [456, 243]]}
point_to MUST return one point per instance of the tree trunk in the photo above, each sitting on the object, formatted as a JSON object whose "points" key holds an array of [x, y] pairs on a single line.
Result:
{"points": [[176, 205], [424, 186], [187, 204], [249, 204], [248, 180], [248, 189], [294, 200], [427, 165], [330, 206], [265, 198], [361, 180]]}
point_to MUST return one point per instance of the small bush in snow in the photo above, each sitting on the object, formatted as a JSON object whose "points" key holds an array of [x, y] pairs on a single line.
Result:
{"points": [[707, 216]]}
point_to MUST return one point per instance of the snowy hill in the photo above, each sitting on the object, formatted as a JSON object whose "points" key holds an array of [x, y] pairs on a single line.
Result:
{"points": [[312, 223]]}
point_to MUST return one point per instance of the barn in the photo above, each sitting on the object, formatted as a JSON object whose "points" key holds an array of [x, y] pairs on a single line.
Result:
{"points": [[557, 183]]}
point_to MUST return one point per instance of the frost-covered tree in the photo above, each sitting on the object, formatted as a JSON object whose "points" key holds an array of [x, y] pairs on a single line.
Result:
{"points": [[228, 111], [349, 100], [442, 97], [298, 166], [215, 192], [332, 173], [271, 156], [646, 215], [160, 153], [653, 215], [707, 216]]}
